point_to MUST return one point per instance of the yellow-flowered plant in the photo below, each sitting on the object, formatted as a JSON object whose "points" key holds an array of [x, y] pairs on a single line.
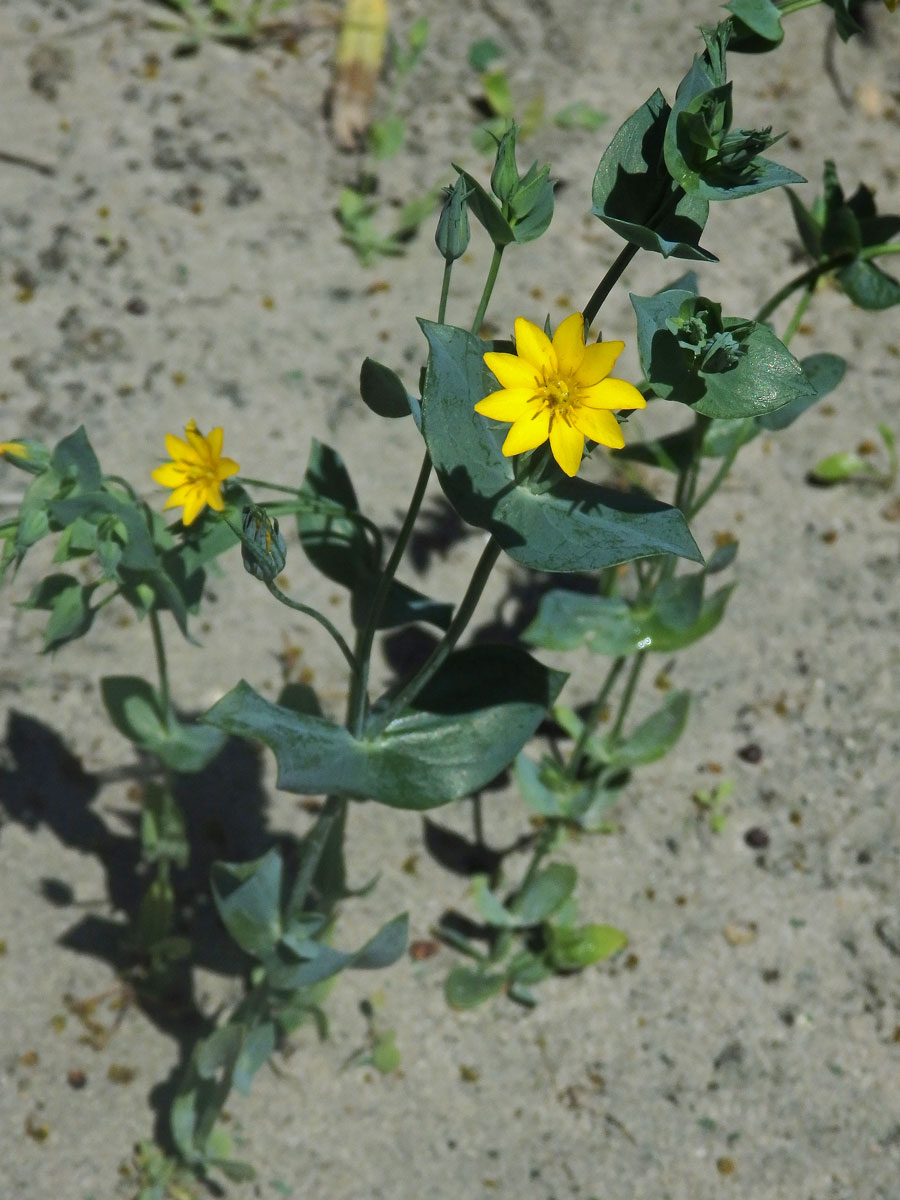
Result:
{"points": [[559, 391], [196, 472]]}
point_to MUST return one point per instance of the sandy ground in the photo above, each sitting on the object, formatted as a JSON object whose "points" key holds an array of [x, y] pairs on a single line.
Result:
{"points": [[182, 260]]}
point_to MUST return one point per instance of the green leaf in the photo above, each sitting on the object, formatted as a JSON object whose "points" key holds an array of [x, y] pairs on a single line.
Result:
{"points": [[572, 525], [845, 23], [482, 53], [74, 459], [573, 949], [256, 1050], [823, 372], [467, 726], [497, 92], [484, 207], [248, 898], [386, 1058], [382, 390], [807, 226], [868, 286], [838, 467], [544, 894], [336, 545], [386, 136], [633, 193], [467, 987], [655, 736], [489, 906], [135, 710], [580, 115], [69, 604], [385, 948], [764, 376], [761, 17]]}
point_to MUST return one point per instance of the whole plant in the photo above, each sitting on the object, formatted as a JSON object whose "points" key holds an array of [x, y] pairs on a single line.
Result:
{"points": [[506, 425]]}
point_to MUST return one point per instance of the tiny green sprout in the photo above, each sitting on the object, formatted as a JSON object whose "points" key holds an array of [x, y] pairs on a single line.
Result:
{"points": [[846, 465], [712, 802]]}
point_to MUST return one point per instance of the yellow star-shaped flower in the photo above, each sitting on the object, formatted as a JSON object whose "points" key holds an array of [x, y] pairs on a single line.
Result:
{"points": [[196, 472], [558, 390]]}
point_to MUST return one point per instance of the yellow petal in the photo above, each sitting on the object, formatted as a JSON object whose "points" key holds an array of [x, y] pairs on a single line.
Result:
{"points": [[599, 359], [197, 443], [599, 426], [512, 372], [169, 474], [180, 495], [535, 347], [193, 505], [508, 405], [612, 394], [214, 440], [527, 433], [226, 467], [568, 342], [567, 445], [178, 449], [215, 500]]}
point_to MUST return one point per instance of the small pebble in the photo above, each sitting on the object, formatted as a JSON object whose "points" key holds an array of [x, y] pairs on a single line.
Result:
{"points": [[756, 838], [751, 753]]}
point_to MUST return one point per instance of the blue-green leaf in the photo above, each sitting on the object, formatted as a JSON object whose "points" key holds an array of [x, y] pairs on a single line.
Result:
{"points": [[466, 727], [467, 987], [248, 897], [655, 736], [635, 196]]}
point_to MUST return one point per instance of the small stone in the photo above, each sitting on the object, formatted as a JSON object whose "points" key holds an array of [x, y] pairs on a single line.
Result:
{"points": [[751, 753], [756, 838], [736, 933]]}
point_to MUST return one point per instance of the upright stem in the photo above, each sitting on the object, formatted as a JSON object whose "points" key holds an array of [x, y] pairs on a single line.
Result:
{"points": [[628, 695], [802, 305], [445, 291], [358, 703], [162, 670], [488, 288], [608, 282], [592, 720], [436, 659]]}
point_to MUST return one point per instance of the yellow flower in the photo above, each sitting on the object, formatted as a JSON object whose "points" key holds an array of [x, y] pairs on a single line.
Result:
{"points": [[196, 472], [558, 390], [16, 449]]}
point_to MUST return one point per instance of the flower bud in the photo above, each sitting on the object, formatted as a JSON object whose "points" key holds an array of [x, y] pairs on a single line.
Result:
{"points": [[263, 549], [26, 454], [452, 236], [505, 176]]}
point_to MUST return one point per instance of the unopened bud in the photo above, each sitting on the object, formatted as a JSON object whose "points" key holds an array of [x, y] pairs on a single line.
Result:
{"points": [[452, 236], [263, 549]]}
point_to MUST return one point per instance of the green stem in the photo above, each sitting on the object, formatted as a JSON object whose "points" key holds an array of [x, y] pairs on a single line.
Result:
{"points": [[162, 670], [488, 289], [542, 848], [334, 812], [628, 695], [608, 282], [612, 276], [445, 291], [593, 718], [436, 659], [811, 276], [802, 305], [308, 611], [358, 702]]}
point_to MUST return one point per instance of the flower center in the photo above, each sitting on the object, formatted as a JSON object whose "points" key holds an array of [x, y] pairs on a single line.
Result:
{"points": [[558, 395]]}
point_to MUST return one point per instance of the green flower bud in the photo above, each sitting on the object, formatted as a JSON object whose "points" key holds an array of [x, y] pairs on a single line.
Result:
{"points": [[26, 454], [263, 550], [505, 176], [452, 236]]}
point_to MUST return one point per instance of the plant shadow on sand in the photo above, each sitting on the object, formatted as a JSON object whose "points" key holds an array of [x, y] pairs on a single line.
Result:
{"points": [[225, 813]]}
